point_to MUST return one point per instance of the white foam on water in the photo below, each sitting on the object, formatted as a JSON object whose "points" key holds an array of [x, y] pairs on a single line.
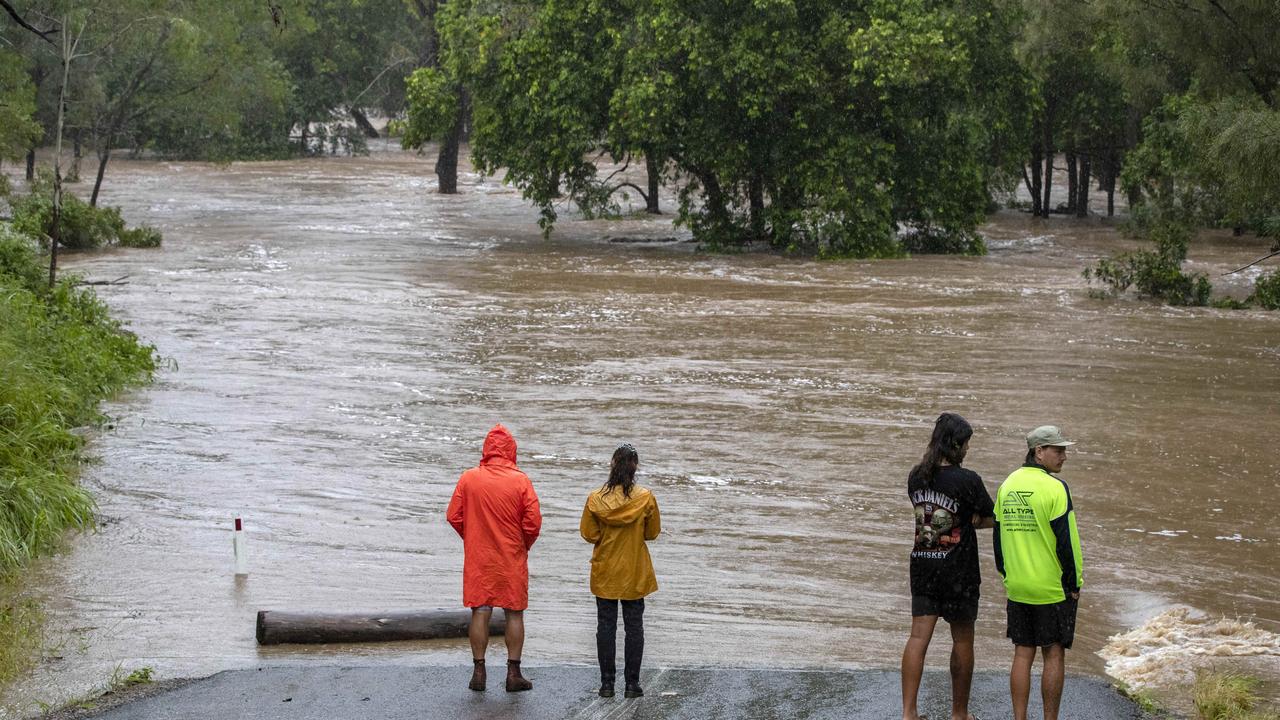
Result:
{"points": [[1168, 649], [708, 480]]}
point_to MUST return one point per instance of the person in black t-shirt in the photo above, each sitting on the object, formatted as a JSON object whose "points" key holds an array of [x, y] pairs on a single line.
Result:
{"points": [[950, 503]]}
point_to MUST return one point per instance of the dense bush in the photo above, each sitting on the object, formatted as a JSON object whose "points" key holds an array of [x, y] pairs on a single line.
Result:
{"points": [[84, 227], [60, 355], [1266, 291], [937, 241], [1155, 273]]}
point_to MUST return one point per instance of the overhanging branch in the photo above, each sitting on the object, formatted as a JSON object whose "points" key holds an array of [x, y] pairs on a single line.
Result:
{"points": [[13, 13]]}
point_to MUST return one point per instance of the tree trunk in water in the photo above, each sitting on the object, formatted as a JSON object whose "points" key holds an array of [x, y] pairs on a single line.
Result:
{"points": [[756, 192], [1046, 145], [103, 156], [655, 176], [1082, 204], [447, 161], [76, 154], [275, 627], [31, 164], [715, 204], [366, 127], [1073, 189], [1037, 167], [1111, 186]]}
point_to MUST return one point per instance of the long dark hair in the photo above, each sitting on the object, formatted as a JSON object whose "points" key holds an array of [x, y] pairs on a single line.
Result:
{"points": [[622, 469], [950, 433]]}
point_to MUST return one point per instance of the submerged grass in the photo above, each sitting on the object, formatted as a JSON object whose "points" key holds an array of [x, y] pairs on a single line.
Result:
{"points": [[60, 355], [1228, 696], [21, 635]]}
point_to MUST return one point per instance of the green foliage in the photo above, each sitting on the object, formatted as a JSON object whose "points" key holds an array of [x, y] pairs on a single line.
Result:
{"points": [[433, 107], [1211, 161], [931, 241], [1266, 291], [18, 127], [1155, 273], [143, 236], [83, 227], [120, 680], [815, 125], [1220, 695], [60, 354], [21, 630]]}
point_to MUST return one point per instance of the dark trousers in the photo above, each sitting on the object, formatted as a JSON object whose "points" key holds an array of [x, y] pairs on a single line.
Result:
{"points": [[607, 638]]}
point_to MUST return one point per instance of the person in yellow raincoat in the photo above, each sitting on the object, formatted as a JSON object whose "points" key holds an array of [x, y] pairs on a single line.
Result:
{"points": [[619, 518]]}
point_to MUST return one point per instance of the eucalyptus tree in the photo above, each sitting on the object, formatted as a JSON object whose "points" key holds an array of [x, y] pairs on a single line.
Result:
{"points": [[1080, 108], [1210, 70], [347, 58], [19, 129], [815, 125]]}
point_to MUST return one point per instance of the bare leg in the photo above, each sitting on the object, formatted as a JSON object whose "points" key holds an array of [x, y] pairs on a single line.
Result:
{"points": [[913, 663], [1020, 679], [1051, 680], [961, 669], [515, 634], [516, 681], [478, 633]]}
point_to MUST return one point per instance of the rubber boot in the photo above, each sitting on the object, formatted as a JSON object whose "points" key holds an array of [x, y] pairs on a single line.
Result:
{"points": [[477, 675], [515, 681]]}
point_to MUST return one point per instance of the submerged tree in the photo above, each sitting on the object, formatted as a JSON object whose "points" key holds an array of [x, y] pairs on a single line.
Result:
{"points": [[816, 126]]}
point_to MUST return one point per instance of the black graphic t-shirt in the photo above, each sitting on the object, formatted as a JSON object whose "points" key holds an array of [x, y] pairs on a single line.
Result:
{"points": [[944, 561]]}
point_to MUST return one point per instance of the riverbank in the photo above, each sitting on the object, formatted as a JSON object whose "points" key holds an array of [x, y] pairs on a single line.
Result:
{"points": [[61, 353], [568, 691]]}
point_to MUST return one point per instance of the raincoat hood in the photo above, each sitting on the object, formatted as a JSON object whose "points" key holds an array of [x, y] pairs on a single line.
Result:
{"points": [[499, 445], [614, 508]]}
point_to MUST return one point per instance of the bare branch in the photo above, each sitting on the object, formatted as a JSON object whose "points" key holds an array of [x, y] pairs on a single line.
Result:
{"points": [[378, 77], [42, 34], [1255, 262]]}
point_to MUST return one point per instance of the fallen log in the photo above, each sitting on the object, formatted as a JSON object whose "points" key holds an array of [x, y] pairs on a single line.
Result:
{"points": [[277, 627]]}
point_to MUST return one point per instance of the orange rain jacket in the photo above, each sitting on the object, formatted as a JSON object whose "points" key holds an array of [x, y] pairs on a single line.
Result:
{"points": [[495, 511], [619, 526]]}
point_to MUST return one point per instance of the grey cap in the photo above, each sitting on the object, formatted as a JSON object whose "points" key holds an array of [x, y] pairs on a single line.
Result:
{"points": [[1046, 435]]}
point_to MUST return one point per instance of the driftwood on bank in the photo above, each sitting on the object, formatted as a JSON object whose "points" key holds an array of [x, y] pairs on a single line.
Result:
{"points": [[277, 627]]}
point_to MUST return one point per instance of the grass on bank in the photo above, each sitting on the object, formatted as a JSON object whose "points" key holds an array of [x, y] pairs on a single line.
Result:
{"points": [[61, 354], [1229, 696]]}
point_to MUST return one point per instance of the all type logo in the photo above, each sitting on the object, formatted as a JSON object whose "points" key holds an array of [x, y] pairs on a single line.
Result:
{"points": [[1019, 498]]}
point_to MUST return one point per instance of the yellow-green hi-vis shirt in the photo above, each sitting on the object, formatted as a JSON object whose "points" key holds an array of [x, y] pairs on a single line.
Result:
{"points": [[1036, 542]]}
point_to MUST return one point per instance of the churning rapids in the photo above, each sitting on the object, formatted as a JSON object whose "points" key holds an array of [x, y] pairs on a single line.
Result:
{"points": [[339, 338]]}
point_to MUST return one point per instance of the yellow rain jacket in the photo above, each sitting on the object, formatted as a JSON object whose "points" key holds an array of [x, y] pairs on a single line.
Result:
{"points": [[619, 526]]}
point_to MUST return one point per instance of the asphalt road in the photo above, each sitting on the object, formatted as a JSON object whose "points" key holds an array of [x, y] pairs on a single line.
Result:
{"points": [[562, 691]]}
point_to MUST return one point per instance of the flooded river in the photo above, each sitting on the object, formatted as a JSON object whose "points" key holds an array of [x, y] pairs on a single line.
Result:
{"points": [[339, 339]]}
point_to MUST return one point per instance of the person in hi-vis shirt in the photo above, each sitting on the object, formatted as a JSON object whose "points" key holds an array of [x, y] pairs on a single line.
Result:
{"points": [[1037, 548]]}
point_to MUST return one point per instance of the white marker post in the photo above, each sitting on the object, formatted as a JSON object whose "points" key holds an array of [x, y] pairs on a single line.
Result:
{"points": [[242, 557]]}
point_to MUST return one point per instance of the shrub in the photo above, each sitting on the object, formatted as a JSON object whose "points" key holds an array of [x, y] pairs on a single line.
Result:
{"points": [[143, 236], [60, 354], [938, 241], [1228, 696], [1266, 291], [19, 262], [1155, 273], [84, 227]]}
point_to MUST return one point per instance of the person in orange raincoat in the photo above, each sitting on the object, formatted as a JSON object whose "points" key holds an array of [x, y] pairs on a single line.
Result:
{"points": [[496, 513], [619, 518]]}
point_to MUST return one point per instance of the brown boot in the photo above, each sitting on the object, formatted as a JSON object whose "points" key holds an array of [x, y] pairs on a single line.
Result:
{"points": [[477, 675], [515, 681]]}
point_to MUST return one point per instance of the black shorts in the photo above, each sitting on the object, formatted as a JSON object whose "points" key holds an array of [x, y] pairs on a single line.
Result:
{"points": [[1042, 625], [961, 608]]}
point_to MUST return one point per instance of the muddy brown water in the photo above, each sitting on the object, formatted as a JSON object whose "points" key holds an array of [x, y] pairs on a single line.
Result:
{"points": [[339, 338]]}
